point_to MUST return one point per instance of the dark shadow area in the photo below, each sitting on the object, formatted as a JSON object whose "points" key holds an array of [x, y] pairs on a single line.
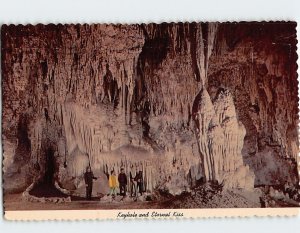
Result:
{"points": [[46, 188], [49, 167]]}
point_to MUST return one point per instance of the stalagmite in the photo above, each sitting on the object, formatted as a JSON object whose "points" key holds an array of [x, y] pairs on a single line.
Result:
{"points": [[221, 137]]}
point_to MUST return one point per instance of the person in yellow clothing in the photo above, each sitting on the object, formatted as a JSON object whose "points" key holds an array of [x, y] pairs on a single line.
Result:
{"points": [[113, 183]]}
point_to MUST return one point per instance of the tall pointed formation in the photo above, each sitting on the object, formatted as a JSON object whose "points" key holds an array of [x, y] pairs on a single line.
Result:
{"points": [[219, 134], [220, 139]]}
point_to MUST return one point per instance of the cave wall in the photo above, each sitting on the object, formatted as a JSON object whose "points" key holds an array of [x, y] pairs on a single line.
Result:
{"points": [[256, 62], [123, 95], [49, 68]]}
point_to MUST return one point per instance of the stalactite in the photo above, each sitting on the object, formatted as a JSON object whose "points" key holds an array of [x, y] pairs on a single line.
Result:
{"points": [[85, 145]]}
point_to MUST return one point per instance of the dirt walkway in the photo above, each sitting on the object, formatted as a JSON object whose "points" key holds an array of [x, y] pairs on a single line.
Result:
{"points": [[228, 199], [15, 202]]}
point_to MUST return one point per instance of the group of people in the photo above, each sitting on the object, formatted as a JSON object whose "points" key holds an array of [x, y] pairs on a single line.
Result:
{"points": [[136, 183]]}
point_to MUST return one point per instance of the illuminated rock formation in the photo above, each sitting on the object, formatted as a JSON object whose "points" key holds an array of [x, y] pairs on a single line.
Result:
{"points": [[221, 138]]}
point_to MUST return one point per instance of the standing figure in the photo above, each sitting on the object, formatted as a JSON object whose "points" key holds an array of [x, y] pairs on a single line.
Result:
{"points": [[122, 178], [132, 186], [88, 178], [139, 180], [113, 183]]}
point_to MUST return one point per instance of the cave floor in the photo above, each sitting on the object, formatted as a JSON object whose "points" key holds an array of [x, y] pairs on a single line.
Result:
{"points": [[15, 202], [229, 200]]}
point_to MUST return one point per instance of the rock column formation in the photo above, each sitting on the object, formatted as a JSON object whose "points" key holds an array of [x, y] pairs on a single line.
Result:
{"points": [[221, 138]]}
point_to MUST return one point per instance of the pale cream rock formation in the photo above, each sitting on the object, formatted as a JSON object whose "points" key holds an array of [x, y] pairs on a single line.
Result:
{"points": [[221, 137]]}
